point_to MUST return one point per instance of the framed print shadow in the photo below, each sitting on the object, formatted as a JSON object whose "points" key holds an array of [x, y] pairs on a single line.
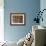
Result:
{"points": [[17, 19]]}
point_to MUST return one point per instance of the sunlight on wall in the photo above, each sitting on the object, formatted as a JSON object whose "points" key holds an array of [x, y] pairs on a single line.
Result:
{"points": [[1, 25], [1, 21], [1, 3]]}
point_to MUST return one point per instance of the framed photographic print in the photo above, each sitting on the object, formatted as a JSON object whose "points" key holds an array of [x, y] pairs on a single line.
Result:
{"points": [[17, 19]]}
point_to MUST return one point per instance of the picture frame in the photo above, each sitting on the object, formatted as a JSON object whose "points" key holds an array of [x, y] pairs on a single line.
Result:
{"points": [[17, 19]]}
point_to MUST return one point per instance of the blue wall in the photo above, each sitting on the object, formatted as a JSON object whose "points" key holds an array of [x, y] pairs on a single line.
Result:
{"points": [[29, 7]]}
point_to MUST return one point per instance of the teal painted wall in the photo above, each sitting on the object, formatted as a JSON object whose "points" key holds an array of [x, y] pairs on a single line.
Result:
{"points": [[29, 7]]}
